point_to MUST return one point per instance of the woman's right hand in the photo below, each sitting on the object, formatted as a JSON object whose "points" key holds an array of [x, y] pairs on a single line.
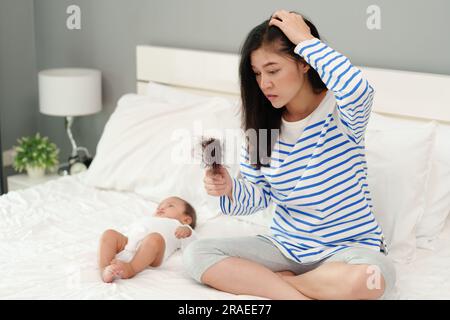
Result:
{"points": [[219, 184]]}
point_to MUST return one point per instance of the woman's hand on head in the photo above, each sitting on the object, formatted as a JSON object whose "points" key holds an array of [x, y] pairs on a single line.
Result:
{"points": [[219, 184], [292, 25]]}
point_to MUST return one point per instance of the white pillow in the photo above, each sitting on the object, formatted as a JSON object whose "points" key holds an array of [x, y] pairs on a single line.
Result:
{"points": [[437, 203], [140, 141], [161, 92], [174, 95], [438, 193], [398, 162]]}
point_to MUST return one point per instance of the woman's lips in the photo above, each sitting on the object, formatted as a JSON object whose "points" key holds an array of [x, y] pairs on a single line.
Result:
{"points": [[272, 97]]}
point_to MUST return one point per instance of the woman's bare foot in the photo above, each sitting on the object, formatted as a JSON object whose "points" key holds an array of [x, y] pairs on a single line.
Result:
{"points": [[110, 273], [125, 270]]}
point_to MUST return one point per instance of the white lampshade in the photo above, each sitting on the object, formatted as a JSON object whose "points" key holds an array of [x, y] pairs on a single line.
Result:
{"points": [[70, 92]]}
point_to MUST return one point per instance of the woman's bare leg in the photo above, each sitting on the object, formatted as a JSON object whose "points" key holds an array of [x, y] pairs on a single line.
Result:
{"points": [[150, 253], [336, 280], [240, 276]]}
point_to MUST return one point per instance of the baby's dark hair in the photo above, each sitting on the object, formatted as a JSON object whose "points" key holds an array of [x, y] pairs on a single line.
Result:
{"points": [[190, 211]]}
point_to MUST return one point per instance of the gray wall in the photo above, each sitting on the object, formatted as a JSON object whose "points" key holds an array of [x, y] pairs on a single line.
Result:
{"points": [[414, 36], [18, 83]]}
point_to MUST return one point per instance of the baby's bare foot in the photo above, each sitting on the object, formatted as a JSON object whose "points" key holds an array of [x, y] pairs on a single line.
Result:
{"points": [[125, 269], [110, 273]]}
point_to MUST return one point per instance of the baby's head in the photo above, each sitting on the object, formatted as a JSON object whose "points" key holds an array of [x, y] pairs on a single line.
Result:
{"points": [[177, 208]]}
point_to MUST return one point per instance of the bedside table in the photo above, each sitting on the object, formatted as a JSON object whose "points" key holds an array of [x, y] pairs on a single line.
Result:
{"points": [[22, 181]]}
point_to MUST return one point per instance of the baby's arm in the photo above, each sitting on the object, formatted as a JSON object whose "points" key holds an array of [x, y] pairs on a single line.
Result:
{"points": [[189, 235]]}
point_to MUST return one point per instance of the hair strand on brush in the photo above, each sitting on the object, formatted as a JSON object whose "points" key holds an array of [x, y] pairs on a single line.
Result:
{"points": [[212, 154]]}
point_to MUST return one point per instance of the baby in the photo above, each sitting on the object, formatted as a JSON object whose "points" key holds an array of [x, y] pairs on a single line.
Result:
{"points": [[150, 241]]}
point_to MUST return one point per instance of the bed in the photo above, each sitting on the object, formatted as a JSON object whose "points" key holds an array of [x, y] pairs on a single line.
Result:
{"points": [[49, 233]]}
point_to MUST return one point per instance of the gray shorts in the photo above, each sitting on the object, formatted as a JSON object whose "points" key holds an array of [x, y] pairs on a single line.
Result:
{"points": [[200, 255]]}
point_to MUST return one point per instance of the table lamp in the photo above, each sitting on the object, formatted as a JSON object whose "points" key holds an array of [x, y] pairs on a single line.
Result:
{"points": [[69, 93]]}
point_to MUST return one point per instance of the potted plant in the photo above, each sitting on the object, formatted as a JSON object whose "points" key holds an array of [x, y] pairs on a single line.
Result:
{"points": [[35, 154]]}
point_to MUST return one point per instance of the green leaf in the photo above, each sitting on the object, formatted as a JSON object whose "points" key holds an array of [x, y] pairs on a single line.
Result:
{"points": [[35, 150]]}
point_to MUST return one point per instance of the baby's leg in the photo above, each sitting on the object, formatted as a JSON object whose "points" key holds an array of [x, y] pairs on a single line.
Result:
{"points": [[111, 243], [150, 253]]}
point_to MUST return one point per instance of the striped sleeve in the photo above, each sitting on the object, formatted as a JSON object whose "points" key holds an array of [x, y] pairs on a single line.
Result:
{"points": [[352, 91], [250, 194]]}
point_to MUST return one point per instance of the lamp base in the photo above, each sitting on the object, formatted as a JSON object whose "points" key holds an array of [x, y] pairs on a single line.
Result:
{"points": [[64, 169], [75, 164]]}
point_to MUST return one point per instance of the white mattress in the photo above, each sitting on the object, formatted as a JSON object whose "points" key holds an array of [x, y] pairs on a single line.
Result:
{"points": [[49, 238]]}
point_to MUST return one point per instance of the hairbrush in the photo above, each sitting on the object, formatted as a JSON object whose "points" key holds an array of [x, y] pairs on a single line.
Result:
{"points": [[212, 154]]}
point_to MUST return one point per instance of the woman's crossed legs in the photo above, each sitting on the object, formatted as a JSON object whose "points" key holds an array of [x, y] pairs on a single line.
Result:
{"points": [[254, 266]]}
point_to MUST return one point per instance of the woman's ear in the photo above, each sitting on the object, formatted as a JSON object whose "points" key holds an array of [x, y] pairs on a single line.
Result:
{"points": [[303, 67]]}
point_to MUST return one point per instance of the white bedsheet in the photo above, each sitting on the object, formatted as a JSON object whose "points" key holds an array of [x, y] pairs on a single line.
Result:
{"points": [[49, 239]]}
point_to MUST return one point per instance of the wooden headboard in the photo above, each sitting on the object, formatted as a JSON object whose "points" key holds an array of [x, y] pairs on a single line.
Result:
{"points": [[400, 93]]}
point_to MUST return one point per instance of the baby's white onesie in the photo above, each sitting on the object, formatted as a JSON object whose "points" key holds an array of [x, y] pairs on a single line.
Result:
{"points": [[151, 224]]}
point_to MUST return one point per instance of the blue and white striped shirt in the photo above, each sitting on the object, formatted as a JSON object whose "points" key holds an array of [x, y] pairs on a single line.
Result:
{"points": [[319, 184]]}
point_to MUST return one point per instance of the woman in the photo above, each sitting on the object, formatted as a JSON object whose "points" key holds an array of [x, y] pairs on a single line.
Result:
{"points": [[325, 242]]}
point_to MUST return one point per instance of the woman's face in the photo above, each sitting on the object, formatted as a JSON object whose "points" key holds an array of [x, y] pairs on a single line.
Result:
{"points": [[279, 77]]}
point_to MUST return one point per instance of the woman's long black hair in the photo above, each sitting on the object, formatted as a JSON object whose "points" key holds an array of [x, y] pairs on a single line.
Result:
{"points": [[257, 111]]}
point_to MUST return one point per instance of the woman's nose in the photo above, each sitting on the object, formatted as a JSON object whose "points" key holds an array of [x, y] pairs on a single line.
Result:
{"points": [[265, 83]]}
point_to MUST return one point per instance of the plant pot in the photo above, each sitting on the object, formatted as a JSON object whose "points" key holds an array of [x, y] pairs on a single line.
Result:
{"points": [[35, 172]]}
